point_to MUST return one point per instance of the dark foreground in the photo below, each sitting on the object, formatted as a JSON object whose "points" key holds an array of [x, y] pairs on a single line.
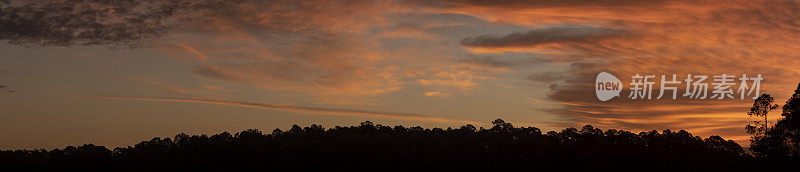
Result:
{"points": [[376, 147]]}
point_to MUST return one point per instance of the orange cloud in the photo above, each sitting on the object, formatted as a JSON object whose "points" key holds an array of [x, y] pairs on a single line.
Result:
{"points": [[658, 37], [434, 94]]}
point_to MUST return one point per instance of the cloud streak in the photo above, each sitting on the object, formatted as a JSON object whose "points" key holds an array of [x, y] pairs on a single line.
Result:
{"points": [[305, 109], [542, 36]]}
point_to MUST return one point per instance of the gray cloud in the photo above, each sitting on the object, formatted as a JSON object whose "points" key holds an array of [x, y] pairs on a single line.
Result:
{"points": [[556, 34], [6, 88], [87, 22], [487, 61], [131, 23], [546, 76]]}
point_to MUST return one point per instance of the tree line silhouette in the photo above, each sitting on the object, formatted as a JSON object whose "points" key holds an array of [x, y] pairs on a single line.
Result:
{"points": [[371, 146]]}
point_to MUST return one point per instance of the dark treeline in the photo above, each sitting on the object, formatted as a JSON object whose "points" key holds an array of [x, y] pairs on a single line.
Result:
{"points": [[378, 147]]}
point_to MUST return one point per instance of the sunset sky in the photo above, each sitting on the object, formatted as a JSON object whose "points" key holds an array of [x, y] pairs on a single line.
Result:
{"points": [[116, 73]]}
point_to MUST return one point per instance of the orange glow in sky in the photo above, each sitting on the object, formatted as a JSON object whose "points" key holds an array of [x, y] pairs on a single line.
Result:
{"points": [[271, 64]]}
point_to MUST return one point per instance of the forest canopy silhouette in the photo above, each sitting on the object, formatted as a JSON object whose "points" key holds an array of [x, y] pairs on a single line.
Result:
{"points": [[375, 146]]}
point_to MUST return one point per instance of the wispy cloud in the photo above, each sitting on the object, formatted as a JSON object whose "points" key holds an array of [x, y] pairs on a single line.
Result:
{"points": [[166, 87], [530, 40], [335, 51], [306, 109]]}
